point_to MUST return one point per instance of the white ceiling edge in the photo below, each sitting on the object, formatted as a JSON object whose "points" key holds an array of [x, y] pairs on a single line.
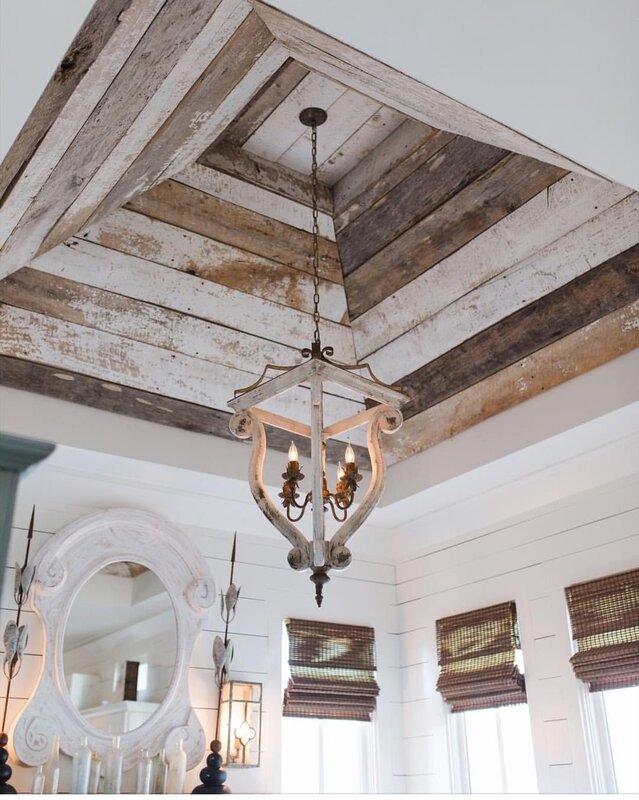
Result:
{"points": [[34, 36], [562, 73]]}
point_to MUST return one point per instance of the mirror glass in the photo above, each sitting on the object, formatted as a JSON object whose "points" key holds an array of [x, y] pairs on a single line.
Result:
{"points": [[120, 645]]}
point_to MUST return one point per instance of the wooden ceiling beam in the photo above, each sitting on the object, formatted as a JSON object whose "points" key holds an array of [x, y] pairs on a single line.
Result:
{"points": [[597, 293], [573, 355], [116, 398]]}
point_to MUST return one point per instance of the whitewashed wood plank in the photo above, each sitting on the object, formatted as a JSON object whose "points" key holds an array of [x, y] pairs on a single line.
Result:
{"points": [[363, 141], [346, 115], [223, 23], [548, 216], [133, 24], [65, 345], [361, 72], [574, 254], [281, 128], [135, 277], [255, 198], [154, 240]]}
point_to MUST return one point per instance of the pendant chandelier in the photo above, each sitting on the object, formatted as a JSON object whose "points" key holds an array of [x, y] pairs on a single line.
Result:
{"points": [[382, 416]]}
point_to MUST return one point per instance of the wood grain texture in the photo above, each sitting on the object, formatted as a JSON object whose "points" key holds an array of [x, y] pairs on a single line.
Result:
{"points": [[359, 71], [261, 107], [202, 114], [545, 218], [585, 349], [599, 292], [140, 279], [387, 165], [215, 34], [255, 198], [112, 358], [474, 209], [574, 254], [226, 157], [201, 213], [96, 30], [441, 177], [165, 41], [139, 235], [85, 305], [99, 52], [148, 406]]}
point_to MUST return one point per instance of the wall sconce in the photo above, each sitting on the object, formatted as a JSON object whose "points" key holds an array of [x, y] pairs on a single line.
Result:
{"points": [[241, 723]]}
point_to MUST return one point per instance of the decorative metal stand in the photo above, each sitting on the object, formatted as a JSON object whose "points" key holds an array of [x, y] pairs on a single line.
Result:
{"points": [[213, 777], [15, 642]]}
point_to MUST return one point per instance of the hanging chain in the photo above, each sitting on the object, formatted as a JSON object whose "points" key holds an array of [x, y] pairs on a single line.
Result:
{"points": [[316, 277]]}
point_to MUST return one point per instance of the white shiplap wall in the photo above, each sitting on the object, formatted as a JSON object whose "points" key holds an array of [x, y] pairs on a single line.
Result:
{"points": [[365, 594], [529, 560]]}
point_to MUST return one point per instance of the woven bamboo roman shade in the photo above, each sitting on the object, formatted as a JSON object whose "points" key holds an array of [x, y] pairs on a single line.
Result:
{"points": [[332, 671], [476, 653], [605, 626]]}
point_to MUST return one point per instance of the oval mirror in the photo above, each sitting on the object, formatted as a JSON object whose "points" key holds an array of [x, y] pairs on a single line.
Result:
{"points": [[120, 646]]}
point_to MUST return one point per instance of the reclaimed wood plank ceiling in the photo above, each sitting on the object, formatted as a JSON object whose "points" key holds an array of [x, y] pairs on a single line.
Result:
{"points": [[156, 230]]}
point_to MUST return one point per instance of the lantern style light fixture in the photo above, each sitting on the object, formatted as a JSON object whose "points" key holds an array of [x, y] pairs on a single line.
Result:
{"points": [[318, 368], [240, 723]]}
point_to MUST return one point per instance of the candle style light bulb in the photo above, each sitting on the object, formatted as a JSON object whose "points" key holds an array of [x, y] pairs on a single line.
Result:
{"points": [[340, 471], [349, 455], [292, 453]]}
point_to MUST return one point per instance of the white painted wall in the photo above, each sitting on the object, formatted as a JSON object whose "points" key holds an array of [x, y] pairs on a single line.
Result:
{"points": [[74, 483], [529, 559]]}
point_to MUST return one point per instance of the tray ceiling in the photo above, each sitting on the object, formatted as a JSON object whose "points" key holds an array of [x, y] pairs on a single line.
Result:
{"points": [[157, 231]]}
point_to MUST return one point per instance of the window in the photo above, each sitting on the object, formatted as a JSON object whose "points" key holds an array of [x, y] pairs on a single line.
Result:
{"points": [[616, 719], [499, 751], [324, 756]]}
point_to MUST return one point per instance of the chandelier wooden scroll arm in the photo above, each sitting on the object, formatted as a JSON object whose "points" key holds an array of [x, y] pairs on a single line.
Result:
{"points": [[388, 420], [246, 425]]}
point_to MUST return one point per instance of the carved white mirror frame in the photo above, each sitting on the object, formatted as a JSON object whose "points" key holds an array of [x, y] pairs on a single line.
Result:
{"points": [[63, 566]]}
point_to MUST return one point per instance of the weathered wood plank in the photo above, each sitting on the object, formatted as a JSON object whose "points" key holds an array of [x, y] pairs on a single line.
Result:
{"points": [[140, 279], [165, 41], [598, 292], [226, 157], [118, 399], [201, 213], [589, 347], [386, 166], [599, 239], [215, 34], [548, 216], [103, 44], [359, 71], [376, 129], [46, 340], [490, 198], [262, 106], [254, 198], [151, 239], [282, 127], [85, 305], [246, 59], [452, 168]]}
